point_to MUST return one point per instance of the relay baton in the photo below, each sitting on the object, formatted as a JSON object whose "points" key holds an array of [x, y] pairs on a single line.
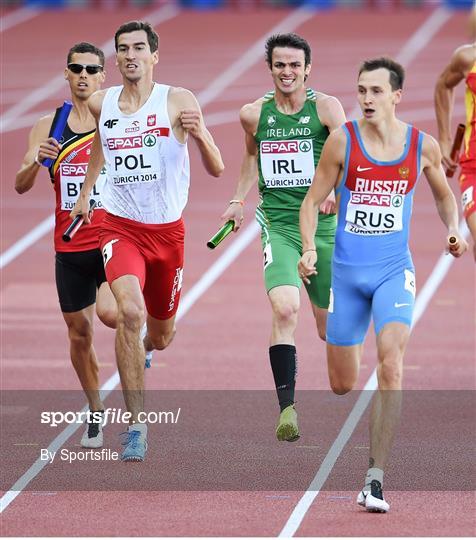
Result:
{"points": [[58, 128], [452, 242], [76, 223], [221, 234], [456, 146]]}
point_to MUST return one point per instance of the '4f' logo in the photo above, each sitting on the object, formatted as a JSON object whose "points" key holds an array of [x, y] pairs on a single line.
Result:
{"points": [[111, 123]]}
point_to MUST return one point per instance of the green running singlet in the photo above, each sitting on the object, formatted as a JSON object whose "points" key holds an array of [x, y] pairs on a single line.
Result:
{"points": [[289, 147]]}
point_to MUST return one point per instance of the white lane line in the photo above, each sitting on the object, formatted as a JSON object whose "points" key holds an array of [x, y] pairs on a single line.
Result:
{"points": [[157, 16], [25, 121], [17, 17], [423, 35], [241, 242], [26, 241], [202, 285], [413, 46], [236, 69]]}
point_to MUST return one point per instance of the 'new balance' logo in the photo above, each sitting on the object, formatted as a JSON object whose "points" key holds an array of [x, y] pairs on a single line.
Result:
{"points": [[111, 123], [304, 120]]}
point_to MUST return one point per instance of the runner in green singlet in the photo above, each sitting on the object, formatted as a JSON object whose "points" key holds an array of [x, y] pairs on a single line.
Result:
{"points": [[284, 134]]}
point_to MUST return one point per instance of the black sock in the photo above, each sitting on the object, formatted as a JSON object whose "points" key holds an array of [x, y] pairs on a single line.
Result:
{"points": [[284, 365]]}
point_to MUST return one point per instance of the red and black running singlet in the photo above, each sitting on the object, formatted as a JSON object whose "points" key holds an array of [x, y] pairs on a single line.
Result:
{"points": [[67, 174]]}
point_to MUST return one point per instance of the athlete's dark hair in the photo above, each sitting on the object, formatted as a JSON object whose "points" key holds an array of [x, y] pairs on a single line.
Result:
{"points": [[85, 47], [287, 40], [132, 26], [396, 71]]}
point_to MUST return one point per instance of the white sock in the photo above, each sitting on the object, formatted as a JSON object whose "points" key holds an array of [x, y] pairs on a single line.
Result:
{"points": [[374, 474], [139, 427]]}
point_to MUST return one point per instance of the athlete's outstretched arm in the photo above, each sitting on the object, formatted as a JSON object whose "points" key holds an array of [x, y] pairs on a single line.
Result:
{"points": [[249, 116], [444, 198], [186, 110], [451, 76], [40, 146], [96, 161], [325, 180]]}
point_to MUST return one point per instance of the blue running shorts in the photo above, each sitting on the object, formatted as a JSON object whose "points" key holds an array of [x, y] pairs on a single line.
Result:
{"points": [[385, 293]]}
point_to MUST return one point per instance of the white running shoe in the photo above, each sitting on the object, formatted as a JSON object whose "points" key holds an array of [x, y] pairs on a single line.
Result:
{"points": [[372, 500], [362, 496], [93, 435], [148, 354]]}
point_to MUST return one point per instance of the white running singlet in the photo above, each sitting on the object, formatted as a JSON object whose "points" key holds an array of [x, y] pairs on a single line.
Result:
{"points": [[148, 171]]}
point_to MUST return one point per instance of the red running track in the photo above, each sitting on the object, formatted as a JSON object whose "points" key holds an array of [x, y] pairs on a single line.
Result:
{"points": [[222, 341]]}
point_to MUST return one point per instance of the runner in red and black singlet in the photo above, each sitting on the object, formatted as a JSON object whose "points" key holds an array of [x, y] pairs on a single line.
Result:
{"points": [[67, 175], [79, 269]]}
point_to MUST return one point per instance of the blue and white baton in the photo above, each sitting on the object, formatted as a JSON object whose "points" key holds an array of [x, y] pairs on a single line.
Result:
{"points": [[58, 128]]}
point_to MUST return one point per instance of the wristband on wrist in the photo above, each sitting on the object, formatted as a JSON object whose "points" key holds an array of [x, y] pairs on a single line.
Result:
{"points": [[306, 250], [238, 201]]}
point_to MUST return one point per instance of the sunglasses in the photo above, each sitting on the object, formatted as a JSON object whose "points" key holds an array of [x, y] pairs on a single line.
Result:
{"points": [[92, 69]]}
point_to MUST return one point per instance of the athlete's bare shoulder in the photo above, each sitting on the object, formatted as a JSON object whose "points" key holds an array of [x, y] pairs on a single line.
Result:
{"points": [[464, 58], [430, 149], [95, 102], [41, 129], [467, 50], [325, 99], [330, 111], [338, 137], [249, 115], [44, 123], [182, 97], [179, 91]]}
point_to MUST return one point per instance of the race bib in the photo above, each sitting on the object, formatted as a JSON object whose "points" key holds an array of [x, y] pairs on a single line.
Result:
{"points": [[267, 256], [136, 159], [374, 213], [287, 164], [71, 180], [467, 197], [410, 284]]}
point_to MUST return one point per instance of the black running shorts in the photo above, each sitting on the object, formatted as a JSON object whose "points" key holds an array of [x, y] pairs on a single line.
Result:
{"points": [[78, 275]]}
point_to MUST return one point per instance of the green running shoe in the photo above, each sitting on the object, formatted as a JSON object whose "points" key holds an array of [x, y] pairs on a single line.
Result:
{"points": [[287, 428]]}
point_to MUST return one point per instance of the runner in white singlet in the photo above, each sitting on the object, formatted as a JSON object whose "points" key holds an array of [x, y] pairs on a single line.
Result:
{"points": [[143, 129]]}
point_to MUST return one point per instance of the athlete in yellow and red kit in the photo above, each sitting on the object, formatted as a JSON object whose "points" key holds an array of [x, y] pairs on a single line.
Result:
{"points": [[461, 67]]}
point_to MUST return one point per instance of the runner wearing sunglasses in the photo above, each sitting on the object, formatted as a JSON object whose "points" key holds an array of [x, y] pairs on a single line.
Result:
{"points": [[91, 69], [79, 268]]}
